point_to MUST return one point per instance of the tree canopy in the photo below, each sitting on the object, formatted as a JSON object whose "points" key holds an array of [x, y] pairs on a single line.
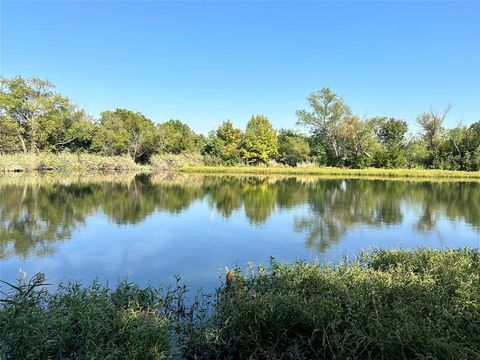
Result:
{"points": [[259, 143]]}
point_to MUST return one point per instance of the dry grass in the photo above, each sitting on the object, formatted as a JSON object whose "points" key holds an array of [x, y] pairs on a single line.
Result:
{"points": [[369, 172], [65, 162]]}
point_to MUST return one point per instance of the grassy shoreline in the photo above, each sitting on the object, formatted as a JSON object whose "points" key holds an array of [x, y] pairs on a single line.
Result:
{"points": [[390, 304], [369, 172], [188, 164], [66, 162]]}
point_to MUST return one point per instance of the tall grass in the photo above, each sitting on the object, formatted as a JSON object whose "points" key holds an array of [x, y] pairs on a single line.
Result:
{"points": [[390, 305], [167, 162], [422, 304], [369, 172], [90, 322], [65, 162]]}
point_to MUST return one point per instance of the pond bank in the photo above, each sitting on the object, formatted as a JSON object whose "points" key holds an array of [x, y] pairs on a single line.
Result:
{"points": [[65, 162], [390, 304], [190, 164], [370, 172]]}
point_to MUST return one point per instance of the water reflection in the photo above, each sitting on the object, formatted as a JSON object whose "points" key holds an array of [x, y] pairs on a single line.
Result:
{"points": [[36, 214]]}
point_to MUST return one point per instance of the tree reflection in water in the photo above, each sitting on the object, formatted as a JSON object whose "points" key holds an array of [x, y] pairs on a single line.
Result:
{"points": [[36, 213]]}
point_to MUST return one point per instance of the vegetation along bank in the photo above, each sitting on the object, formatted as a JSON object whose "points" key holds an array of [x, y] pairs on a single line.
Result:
{"points": [[35, 119], [421, 304]]}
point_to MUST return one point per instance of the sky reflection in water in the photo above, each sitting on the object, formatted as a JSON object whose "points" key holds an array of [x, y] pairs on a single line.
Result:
{"points": [[150, 228]]}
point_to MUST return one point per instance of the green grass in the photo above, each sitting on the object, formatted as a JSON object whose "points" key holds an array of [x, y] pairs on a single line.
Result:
{"points": [[391, 305], [65, 162], [422, 304], [369, 172]]}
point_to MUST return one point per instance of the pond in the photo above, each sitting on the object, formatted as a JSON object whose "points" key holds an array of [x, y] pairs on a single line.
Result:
{"points": [[148, 229]]}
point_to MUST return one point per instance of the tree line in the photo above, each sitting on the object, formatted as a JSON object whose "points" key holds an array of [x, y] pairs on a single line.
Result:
{"points": [[34, 118]]}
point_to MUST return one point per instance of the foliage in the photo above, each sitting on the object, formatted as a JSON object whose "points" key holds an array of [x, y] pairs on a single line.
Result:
{"points": [[328, 111], [292, 148], [357, 141], [387, 305], [259, 143], [9, 136], [122, 132], [390, 133], [39, 117], [390, 305], [460, 149], [175, 137], [34, 118], [224, 144], [84, 322], [431, 124]]}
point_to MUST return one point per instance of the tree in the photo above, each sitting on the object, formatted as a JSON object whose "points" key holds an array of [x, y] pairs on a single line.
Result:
{"points": [[79, 136], [357, 142], [224, 143], [292, 148], [327, 113], [460, 149], [259, 143], [431, 124], [34, 112], [9, 142], [390, 133], [125, 132], [175, 137]]}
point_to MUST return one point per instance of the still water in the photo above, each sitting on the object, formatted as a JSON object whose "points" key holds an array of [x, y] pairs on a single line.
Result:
{"points": [[150, 228]]}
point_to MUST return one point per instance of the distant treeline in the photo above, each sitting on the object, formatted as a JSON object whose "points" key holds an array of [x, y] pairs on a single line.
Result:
{"points": [[34, 118]]}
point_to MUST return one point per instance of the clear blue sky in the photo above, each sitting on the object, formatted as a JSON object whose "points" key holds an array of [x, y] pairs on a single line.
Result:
{"points": [[203, 62]]}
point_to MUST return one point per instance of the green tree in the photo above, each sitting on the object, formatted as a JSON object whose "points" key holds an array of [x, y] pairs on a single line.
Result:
{"points": [[9, 142], [292, 148], [125, 132], [460, 149], [327, 113], [390, 133], [175, 137], [37, 115], [357, 142], [79, 136], [431, 124], [224, 143], [259, 142]]}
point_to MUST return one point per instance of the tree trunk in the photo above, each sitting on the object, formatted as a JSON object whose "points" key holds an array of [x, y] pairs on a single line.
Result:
{"points": [[33, 135], [22, 141]]}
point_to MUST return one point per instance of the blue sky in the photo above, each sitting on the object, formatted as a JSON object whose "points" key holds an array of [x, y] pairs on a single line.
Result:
{"points": [[204, 62]]}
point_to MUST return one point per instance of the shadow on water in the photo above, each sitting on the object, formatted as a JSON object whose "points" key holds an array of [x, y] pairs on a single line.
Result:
{"points": [[38, 213]]}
